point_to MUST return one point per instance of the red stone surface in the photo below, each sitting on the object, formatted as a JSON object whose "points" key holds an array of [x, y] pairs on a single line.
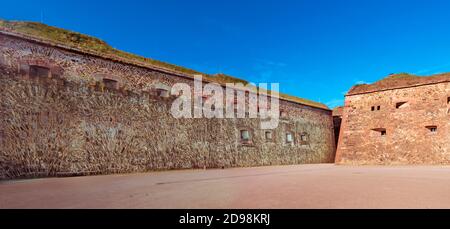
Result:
{"points": [[70, 122], [407, 139]]}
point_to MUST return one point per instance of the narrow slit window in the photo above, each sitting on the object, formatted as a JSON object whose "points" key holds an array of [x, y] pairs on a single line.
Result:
{"points": [[432, 129]]}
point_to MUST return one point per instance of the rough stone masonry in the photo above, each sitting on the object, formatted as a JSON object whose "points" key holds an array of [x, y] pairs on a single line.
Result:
{"points": [[402, 119], [71, 105]]}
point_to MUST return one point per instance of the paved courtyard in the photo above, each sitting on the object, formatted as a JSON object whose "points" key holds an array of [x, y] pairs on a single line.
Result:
{"points": [[299, 186]]}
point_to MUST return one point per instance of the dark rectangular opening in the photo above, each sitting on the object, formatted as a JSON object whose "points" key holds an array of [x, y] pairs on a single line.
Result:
{"points": [[432, 129], [246, 137], [381, 131], [38, 71], [400, 105], [269, 136], [109, 83], [304, 137], [161, 92]]}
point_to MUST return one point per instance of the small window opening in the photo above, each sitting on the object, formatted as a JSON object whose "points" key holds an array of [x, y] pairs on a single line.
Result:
{"points": [[432, 129], [289, 138], [400, 105], [269, 135], [161, 92], [304, 137], [381, 131], [38, 71], [378, 108], [373, 108], [110, 83], [245, 135], [448, 100]]}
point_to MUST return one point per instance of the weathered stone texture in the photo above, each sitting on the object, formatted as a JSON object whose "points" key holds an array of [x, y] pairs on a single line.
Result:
{"points": [[70, 124], [407, 139]]}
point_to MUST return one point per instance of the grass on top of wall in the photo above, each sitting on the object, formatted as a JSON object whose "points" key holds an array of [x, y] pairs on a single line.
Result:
{"points": [[89, 43]]}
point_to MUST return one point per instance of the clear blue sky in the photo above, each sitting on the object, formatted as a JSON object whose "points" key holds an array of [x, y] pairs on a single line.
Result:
{"points": [[315, 49]]}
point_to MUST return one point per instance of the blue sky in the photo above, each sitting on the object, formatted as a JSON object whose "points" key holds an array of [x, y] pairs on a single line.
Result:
{"points": [[315, 49]]}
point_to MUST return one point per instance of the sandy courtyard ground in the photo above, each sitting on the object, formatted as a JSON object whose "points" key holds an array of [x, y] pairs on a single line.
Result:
{"points": [[299, 186]]}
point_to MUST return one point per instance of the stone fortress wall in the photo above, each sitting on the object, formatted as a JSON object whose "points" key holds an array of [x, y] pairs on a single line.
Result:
{"points": [[69, 111], [400, 120], [65, 112]]}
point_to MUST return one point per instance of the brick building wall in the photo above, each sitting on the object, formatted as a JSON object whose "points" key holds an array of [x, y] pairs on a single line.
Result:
{"points": [[95, 115], [407, 125]]}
